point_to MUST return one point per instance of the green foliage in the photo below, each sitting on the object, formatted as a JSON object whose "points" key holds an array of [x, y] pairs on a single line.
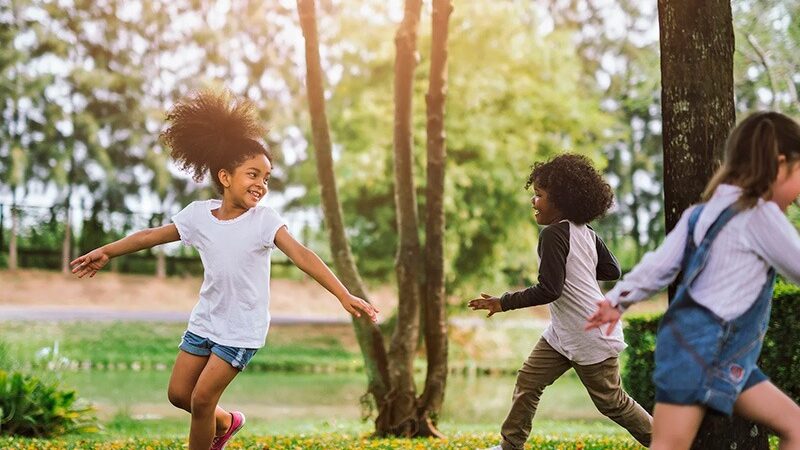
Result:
{"points": [[640, 335], [337, 441], [780, 355], [30, 406], [511, 103]]}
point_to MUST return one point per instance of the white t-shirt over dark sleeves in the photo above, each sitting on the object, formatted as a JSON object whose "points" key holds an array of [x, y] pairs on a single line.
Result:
{"points": [[233, 308], [572, 259]]}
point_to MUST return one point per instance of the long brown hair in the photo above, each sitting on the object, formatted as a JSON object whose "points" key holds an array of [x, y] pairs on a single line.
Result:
{"points": [[212, 130], [751, 155]]}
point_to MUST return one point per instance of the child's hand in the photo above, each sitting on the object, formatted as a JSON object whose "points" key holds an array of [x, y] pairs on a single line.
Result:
{"points": [[353, 305], [89, 263], [605, 314], [487, 302]]}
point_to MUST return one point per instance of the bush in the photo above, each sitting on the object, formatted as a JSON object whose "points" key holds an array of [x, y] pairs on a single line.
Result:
{"points": [[32, 407], [780, 356], [640, 335]]}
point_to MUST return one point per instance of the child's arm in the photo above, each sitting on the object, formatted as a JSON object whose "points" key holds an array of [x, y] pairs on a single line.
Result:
{"points": [[655, 271], [310, 263], [93, 261], [607, 264], [553, 251], [775, 240]]}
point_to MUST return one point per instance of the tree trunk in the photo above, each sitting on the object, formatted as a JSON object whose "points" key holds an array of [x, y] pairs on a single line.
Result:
{"points": [[369, 337], [435, 319], [13, 259], [698, 111], [402, 348], [66, 242], [161, 263], [697, 46]]}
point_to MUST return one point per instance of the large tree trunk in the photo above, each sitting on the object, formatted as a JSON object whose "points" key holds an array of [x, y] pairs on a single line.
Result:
{"points": [[697, 46], [369, 337], [435, 319], [697, 96], [403, 346]]}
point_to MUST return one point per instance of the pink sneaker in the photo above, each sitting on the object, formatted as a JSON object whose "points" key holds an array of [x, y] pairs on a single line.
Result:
{"points": [[237, 422]]}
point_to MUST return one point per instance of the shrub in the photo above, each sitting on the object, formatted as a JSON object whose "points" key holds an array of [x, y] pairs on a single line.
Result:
{"points": [[780, 356], [32, 407]]}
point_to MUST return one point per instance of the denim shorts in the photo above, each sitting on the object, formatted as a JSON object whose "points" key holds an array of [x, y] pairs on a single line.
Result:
{"points": [[200, 346]]}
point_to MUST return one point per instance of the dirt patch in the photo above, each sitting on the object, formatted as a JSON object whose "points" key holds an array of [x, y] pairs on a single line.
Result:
{"points": [[122, 292]]}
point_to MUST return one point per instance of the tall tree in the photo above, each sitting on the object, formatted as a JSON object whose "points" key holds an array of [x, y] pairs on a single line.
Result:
{"points": [[369, 337], [391, 374], [404, 340], [434, 306], [698, 112]]}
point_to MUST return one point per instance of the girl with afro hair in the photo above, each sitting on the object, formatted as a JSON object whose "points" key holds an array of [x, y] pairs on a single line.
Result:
{"points": [[568, 194], [211, 132]]}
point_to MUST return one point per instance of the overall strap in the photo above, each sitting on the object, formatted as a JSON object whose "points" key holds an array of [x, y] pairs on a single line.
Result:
{"points": [[696, 260], [690, 247]]}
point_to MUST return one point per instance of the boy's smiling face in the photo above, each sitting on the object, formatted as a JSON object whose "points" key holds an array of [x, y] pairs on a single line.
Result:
{"points": [[544, 211]]}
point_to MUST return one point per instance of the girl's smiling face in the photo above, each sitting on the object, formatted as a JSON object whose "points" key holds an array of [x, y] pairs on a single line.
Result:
{"points": [[247, 185], [544, 211]]}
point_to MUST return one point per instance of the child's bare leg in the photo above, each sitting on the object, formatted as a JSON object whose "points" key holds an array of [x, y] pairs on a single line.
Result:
{"points": [[213, 380], [766, 404], [184, 376], [675, 426]]}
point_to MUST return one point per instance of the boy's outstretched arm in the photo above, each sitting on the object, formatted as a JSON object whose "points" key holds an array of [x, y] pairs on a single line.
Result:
{"points": [[93, 261], [310, 263]]}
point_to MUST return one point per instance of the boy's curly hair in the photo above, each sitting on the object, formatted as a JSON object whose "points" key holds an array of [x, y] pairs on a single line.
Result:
{"points": [[573, 186], [212, 130]]}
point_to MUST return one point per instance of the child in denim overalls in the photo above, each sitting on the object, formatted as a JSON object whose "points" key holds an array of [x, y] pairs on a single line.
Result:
{"points": [[727, 250], [213, 133]]}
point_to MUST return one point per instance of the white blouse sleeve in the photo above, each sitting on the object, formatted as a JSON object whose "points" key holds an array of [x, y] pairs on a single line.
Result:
{"points": [[775, 240], [655, 271]]}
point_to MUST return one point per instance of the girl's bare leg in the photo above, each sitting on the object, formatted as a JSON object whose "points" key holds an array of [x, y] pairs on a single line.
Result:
{"points": [[766, 404], [213, 380], [675, 426], [184, 377]]}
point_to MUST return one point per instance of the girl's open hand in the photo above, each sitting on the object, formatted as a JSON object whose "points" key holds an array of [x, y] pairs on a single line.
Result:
{"points": [[487, 302], [357, 306], [89, 263], [606, 313]]}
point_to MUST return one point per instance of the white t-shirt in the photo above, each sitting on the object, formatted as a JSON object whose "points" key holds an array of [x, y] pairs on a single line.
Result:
{"points": [[233, 309]]}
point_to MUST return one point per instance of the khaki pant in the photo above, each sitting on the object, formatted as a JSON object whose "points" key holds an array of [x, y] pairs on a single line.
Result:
{"points": [[602, 381]]}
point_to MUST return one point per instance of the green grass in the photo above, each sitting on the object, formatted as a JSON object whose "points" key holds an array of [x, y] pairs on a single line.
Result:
{"points": [[335, 441], [151, 345]]}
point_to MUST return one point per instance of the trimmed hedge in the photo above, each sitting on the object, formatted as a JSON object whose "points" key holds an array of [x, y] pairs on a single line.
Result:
{"points": [[780, 356]]}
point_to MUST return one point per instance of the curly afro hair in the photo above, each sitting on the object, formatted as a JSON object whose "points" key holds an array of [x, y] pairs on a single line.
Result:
{"points": [[573, 186], [212, 130]]}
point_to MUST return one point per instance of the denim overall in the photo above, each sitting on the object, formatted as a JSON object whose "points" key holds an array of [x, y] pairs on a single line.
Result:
{"points": [[702, 359]]}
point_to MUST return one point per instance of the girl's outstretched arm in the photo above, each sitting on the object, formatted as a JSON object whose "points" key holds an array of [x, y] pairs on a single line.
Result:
{"points": [[310, 263], [93, 261]]}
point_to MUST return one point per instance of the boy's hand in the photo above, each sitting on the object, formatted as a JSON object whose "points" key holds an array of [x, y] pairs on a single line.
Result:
{"points": [[89, 263], [605, 314], [356, 306], [487, 302]]}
